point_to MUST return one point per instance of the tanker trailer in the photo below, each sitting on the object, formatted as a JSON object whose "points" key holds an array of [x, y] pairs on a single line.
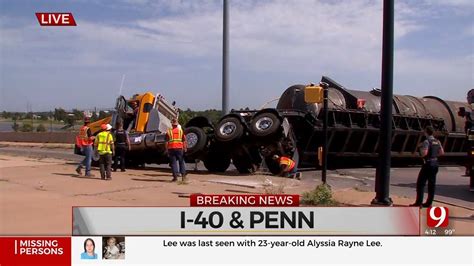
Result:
{"points": [[354, 128]]}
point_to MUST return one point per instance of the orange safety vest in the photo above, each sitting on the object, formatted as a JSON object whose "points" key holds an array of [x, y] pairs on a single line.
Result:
{"points": [[175, 138], [82, 139], [288, 163]]}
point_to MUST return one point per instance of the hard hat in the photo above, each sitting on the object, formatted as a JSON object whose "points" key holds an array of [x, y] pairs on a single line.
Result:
{"points": [[275, 157], [108, 127], [103, 126]]}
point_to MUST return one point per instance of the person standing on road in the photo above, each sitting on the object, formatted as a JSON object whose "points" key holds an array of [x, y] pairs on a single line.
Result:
{"points": [[122, 145], [85, 140], [469, 128], [176, 147], [104, 144], [430, 150]]}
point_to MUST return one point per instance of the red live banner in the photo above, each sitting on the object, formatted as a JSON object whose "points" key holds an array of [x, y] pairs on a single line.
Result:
{"points": [[244, 200], [56, 19], [35, 251]]}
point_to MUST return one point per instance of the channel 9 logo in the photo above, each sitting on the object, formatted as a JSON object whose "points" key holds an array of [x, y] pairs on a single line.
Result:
{"points": [[437, 217]]}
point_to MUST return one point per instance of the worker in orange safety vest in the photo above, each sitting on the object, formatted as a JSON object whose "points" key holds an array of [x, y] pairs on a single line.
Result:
{"points": [[288, 167], [84, 141], [176, 147]]}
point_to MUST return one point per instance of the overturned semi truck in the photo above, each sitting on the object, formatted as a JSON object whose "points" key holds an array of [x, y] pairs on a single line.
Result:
{"points": [[146, 117], [249, 139]]}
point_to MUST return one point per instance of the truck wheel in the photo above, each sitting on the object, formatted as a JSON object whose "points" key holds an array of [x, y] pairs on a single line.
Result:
{"points": [[272, 166], [196, 139], [264, 124], [243, 165], [229, 129], [217, 162]]}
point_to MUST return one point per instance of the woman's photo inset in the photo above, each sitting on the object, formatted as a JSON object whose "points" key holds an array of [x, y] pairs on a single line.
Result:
{"points": [[89, 250], [114, 248]]}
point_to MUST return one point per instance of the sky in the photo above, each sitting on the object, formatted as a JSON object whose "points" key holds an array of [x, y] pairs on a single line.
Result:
{"points": [[174, 47]]}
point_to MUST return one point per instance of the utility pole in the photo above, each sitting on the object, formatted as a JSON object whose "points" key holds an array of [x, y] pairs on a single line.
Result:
{"points": [[325, 131], [319, 94], [382, 175], [225, 58]]}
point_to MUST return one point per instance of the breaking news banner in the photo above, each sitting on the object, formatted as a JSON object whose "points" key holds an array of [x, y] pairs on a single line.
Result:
{"points": [[247, 230]]}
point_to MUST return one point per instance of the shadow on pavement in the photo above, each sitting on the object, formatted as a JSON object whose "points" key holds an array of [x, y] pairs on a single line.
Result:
{"points": [[154, 175], [77, 176], [459, 192], [153, 180]]}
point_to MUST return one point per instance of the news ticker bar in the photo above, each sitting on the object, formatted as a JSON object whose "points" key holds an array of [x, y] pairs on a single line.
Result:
{"points": [[175, 221], [235, 250]]}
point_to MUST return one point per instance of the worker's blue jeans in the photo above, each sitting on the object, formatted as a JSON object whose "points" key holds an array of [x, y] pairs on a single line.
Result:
{"points": [[296, 159], [87, 151], [176, 155]]}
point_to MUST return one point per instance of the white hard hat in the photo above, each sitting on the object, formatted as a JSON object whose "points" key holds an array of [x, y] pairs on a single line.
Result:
{"points": [[109, 127]]}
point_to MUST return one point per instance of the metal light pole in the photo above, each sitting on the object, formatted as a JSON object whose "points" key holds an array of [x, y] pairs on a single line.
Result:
{"points": [[325, 132], [225, 59], [382, 176], [319, 94]]}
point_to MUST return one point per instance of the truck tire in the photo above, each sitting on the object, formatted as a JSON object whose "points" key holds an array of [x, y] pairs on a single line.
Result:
{"points": [[196, 139], [272, 166], [264, 124], [229, 129], [243, 164], [216, 162]]}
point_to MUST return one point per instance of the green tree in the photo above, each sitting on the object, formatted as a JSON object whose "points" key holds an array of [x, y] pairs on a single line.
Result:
{"points": [[103, 114], [69, 120], [94, 117], [15, 126], [40, 128], [26, 127], [78, 115], [59, 114], [6, 114]]}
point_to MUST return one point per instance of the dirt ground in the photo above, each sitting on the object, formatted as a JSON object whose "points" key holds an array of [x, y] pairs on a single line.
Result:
{"points": [[36, 195]]}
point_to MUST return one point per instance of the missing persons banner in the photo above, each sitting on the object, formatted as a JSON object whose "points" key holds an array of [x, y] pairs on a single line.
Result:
{"points": [[235, 250], [247, 230]]}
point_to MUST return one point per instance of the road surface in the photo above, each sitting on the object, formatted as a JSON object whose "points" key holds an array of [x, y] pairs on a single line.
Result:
{"points": [[38, 188]]}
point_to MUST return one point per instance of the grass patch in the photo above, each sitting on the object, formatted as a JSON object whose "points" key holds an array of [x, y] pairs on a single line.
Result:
{"points": [[320, 196]]}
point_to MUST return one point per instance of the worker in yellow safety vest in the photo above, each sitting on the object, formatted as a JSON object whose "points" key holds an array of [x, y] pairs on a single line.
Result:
{"points": [[176, 147], [84, 141], [104, 144], [287, 166]]}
